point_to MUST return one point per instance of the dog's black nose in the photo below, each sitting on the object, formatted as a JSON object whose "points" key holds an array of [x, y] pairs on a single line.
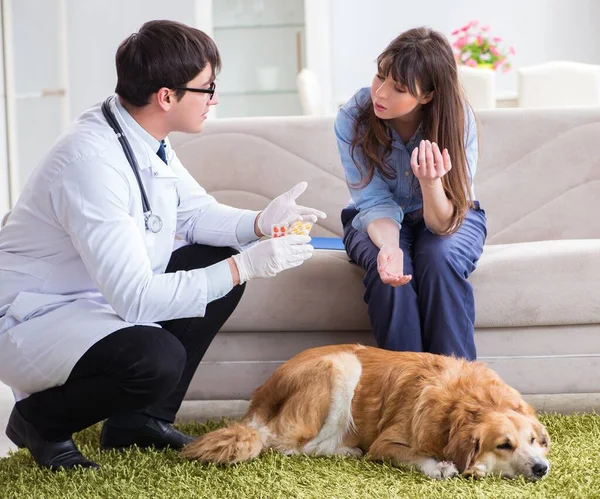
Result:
{"points": [[539, 469]]}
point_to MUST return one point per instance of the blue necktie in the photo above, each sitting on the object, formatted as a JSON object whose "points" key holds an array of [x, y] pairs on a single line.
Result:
{"points": [[162, 152]]}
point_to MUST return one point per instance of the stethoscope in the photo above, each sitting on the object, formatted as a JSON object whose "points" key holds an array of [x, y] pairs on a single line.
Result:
{"points": [[153, 222]]}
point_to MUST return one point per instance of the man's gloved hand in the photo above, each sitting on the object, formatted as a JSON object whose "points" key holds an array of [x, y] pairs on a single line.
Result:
{"points": [[284, 210], [268, 258]]}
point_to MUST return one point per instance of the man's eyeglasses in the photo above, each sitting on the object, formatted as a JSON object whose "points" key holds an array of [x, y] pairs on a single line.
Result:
{"points": [[210, 90]]}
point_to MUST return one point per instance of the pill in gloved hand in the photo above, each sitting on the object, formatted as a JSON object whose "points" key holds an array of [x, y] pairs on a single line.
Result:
{"points": [[301, 228], [278, 230]]}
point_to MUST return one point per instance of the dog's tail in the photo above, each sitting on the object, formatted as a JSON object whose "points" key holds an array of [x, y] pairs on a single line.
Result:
{"points": [[233, 444]]}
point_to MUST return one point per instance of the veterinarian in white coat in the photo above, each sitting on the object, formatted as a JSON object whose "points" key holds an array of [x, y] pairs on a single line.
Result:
{"points": [[92, 294]]}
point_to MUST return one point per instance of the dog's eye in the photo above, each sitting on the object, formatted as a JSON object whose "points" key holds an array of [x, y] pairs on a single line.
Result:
{"points": [[505, 446], [532, 440]]}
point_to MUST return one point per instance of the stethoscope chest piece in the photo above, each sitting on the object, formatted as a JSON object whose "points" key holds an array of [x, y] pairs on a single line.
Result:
{"points": [[153, 223]]}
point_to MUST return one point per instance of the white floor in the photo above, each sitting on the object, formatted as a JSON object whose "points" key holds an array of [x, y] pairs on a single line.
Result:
{"points": [[6, 405]]}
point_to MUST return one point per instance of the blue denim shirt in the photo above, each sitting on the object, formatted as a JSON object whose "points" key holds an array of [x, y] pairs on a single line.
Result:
{"points": [[383, 197]]}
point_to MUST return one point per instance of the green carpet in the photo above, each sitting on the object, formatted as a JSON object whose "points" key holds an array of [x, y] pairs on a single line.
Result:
{"points": [[575, 472]]}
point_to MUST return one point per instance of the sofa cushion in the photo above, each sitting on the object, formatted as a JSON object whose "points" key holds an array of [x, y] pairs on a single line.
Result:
{"points": [[537, 177], [538, 284], [524, 284], [325, 292]]}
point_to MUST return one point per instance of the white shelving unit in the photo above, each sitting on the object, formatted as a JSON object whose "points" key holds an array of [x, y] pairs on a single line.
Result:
{"points": [[263, 46], [35, 104]]}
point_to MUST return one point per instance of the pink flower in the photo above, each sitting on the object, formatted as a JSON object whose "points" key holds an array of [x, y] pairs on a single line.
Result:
{"points": [[461, 42], [505, 68], [475, 36]]}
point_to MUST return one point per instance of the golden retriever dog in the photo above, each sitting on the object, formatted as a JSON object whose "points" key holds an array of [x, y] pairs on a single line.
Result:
{"points": [[444, 415]]}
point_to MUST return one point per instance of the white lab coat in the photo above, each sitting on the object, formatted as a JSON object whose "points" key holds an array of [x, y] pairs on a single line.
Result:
{"points": [[76, 262]]}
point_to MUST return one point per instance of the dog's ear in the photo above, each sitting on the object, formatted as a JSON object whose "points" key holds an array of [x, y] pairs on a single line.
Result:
{"points": [[462, 448], [542, 434], [463, 440], [525, 408]]}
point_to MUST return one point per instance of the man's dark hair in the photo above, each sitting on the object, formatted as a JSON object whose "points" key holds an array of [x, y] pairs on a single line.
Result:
{"points": [[162, 54]]}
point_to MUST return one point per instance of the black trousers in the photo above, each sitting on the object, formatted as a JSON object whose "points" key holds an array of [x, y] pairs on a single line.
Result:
{"points": [[139, 369]]}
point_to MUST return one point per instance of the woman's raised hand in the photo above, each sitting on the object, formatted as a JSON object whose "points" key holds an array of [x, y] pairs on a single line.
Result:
{"points": [[428, 163]]}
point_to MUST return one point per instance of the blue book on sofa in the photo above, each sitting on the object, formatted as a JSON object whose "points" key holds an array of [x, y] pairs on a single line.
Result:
{"points": [[329, 243]]}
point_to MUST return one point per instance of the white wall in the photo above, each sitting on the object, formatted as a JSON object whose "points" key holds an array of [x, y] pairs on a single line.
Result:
{"points": [[540, 30], [95, 30], [4, 182]]}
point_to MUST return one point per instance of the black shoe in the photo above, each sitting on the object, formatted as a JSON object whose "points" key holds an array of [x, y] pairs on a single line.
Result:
{"points": [[152, 433], [53, 455]]}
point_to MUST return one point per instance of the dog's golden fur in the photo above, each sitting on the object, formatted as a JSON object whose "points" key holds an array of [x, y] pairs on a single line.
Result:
{"points": [[441, 414]]}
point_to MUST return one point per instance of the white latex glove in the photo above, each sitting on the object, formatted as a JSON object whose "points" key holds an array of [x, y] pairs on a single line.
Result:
{"points": [[268, 258], [284, 210]]}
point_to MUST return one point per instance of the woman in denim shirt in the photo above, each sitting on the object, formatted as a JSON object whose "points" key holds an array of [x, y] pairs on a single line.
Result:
{"points": [[408, 145]]}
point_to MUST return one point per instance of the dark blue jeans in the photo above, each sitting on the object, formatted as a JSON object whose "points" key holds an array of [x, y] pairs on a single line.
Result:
{"points": [[435, 312]]}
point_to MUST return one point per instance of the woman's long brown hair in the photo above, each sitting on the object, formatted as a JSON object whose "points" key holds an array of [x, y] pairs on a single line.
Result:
{"points": [[420, 59]]}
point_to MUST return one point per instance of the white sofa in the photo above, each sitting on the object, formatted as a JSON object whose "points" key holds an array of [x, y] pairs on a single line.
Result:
{"points": [[479, 86], [559, 84], [537, 286]]}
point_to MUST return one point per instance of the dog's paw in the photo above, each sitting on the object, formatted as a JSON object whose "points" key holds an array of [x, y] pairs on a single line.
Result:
{"points": [[439, 470], [447, 469], [349, 452], [477, 471]]}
